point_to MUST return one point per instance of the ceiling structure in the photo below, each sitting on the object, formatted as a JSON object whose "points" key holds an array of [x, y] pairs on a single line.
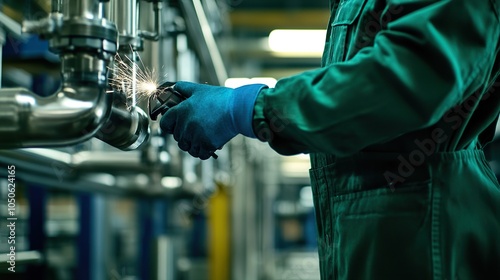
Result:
{"points": [[251, 22]]}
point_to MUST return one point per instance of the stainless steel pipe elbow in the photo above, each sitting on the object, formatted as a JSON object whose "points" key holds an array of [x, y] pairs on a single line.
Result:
{"points": [[85, 42], [70, 116]]}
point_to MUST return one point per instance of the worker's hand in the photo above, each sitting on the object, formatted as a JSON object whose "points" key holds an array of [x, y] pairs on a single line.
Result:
{"points": [[210, 116]]}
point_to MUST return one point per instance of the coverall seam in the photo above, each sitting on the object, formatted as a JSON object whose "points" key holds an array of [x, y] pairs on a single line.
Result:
{"points": [[436, 232], [487, 170], [415, 187], [495, 9], [473, 75], [378, 214], [477, 69]]}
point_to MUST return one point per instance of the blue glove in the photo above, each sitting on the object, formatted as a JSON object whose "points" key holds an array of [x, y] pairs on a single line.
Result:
{"points": [[210, 116]]}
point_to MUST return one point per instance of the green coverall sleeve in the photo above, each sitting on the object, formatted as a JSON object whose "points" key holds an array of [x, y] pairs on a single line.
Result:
{"points": [[428, 58]]}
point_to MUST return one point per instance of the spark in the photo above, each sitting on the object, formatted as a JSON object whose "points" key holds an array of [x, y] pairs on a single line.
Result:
{"points": [[127, 76]]}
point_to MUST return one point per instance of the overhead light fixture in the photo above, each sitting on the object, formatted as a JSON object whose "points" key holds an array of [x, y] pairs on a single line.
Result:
{"points": [[297, 42], [171, 182]]}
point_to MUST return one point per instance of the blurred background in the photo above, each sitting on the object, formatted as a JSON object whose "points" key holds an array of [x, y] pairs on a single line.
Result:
{"points": [[119, 200]]}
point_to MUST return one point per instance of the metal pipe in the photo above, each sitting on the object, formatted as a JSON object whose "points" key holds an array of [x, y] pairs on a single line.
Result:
{"points": [[124, 15], [164, 258], [22, 258], [56, 6], [2, 42], [81, 106], [50, 161], [97, 171], [206, 48], [126, 130], [127, 90], [68, 117], [80, 110], [156, 33], [71, 115], [7, 25], [81, 9]]}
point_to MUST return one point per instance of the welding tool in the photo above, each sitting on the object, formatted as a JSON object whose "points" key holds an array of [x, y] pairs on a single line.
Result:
{"points": [[163, 99]]}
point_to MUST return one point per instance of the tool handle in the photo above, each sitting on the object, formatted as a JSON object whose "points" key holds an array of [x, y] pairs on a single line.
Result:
{"points": [[166, 98]]}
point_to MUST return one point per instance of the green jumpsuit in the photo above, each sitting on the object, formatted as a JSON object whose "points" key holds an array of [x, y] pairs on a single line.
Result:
{"points": [[395, 121]]}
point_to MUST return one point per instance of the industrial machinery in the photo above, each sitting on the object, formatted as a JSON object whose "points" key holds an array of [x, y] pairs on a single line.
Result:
{"points": [[87, 35], [93, 139], [100, 192], [85, 42]]}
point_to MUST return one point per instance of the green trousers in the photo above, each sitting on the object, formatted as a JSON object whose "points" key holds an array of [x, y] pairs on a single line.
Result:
{"points": [[439, 220]]}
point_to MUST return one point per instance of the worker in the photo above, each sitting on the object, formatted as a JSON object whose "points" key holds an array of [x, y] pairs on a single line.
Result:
{"points": [[395, 121]]}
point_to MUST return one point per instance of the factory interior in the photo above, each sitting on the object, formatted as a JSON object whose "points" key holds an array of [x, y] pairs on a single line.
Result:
{"points": [[120, 200]]}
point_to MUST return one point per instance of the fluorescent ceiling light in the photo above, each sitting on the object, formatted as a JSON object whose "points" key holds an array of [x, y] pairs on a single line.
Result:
{"points": [[171, 182], [297, 42]]}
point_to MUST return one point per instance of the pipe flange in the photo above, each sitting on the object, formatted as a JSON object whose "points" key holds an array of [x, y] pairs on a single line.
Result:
{"points": [[84, 67], [72, 44], [78, 34], [102, 29]]}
